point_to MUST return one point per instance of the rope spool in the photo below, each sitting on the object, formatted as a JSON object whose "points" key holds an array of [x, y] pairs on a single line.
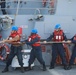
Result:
{"points": [[67, 54]]}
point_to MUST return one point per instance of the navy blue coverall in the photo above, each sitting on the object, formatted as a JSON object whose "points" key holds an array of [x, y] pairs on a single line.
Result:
{"points": [[15, 51], [36, 52], [57, 48], [73, 51], [3, 5]]}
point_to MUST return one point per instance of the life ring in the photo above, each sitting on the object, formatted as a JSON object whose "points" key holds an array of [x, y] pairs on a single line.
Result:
{"points": [[4, 51]]}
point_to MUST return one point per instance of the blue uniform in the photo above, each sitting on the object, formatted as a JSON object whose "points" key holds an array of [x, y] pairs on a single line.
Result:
{"points": [[57, 48], [36, 52], [73, 51], [15, 51]]}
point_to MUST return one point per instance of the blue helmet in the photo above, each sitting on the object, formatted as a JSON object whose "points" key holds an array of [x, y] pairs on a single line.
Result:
{"points": [[34, 31], [15, 28], [57, 26]]}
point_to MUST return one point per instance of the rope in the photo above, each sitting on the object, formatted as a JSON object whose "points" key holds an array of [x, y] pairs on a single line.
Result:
{"points": [[17, 10], [51, 42]]}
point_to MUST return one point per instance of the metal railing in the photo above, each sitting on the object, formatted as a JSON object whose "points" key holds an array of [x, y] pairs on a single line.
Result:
{"points": [[26, 0], [17, 8], [18, 3]]}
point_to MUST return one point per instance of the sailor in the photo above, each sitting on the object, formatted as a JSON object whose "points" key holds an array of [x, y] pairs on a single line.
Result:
{"points": [[57, 48], [72, 59], [15, 49], [36, 51]]}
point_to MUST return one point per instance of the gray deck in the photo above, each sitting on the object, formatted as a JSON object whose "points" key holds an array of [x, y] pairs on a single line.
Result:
{"points": [[37, 71]]}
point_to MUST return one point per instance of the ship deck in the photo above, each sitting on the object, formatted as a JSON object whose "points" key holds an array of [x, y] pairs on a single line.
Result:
{"points": [[38, 71]]}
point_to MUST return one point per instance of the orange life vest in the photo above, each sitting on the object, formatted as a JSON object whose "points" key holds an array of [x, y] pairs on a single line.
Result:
{"points": [[74, 37], [32, 37], [13, 35], [58, 35]]}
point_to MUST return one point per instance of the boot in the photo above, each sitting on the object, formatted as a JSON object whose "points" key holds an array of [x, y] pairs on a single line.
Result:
{"points": [[22, 70], [44, 68], [5, 70], [51, 67], [29, 68], [66, 67], [69, 67]]}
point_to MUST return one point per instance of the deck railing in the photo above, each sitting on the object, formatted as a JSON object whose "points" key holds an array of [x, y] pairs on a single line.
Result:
{"points": [[17, 5]]}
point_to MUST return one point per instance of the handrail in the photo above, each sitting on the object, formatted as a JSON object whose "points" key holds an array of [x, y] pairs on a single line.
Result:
{"points": [[25, 0], [18, 1], [17, 8], [28, 8]]}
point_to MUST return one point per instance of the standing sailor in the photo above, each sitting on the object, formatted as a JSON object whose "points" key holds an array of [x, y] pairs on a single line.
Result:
{"points": [[16, 48], [57, 48]]}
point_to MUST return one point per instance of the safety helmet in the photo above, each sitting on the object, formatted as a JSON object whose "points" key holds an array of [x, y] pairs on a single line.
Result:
{"points": [[57, 26], [15, 28], [34, 31]]}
